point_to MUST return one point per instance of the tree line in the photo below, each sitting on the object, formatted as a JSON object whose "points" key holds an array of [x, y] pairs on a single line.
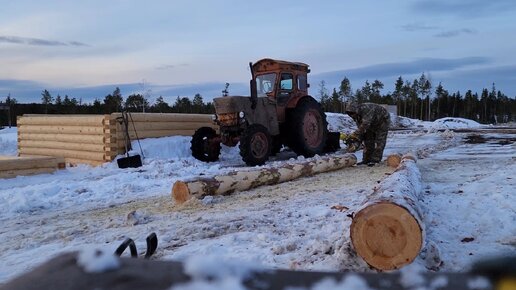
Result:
{"points": [[418, 100], [415, 99], [113, 102]]}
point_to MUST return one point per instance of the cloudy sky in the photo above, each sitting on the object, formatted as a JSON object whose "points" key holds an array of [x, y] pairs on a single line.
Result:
{"points": [[87, 48]]}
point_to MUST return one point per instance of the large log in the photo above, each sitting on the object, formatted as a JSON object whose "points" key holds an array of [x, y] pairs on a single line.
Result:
{"points": [[165, 117], [64, 129], [68, 138], [155, 134], [243, 180], [58, 120], [387, 232], [62, 145], [30, 162], [25, 172]]}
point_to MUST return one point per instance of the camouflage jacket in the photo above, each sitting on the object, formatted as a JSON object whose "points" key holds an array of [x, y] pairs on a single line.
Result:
{"points": [[370, 117]]}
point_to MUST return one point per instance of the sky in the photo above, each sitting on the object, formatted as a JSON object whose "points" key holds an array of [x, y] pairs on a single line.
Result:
{"points": [[85, 49]]}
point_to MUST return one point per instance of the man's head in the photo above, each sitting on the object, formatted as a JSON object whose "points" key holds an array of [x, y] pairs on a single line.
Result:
{"points": [[351, 107]]}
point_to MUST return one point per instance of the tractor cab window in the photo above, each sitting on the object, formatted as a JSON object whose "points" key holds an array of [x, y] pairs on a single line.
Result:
{"points": [[265, 84], [302, 83], [286, 83]]}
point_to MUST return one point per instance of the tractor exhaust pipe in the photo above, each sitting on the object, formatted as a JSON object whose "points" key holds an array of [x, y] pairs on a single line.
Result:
{"points": [[252, 85]]}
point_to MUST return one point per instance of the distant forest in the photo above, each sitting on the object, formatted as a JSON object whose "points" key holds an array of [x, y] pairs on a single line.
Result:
{"points": [[417, 99]]}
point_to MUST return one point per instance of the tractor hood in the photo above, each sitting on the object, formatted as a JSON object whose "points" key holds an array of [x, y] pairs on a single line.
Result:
{"points": [[233, 104]]}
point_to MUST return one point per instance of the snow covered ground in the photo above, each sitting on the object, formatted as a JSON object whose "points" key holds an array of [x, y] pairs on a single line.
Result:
{"points": [[468, 201]]}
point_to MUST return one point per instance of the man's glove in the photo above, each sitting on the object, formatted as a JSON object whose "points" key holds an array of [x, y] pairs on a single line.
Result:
{"points": [[352, 141]]}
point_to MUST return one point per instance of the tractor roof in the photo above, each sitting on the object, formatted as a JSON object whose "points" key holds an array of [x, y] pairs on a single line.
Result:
{"points": [[268, 64]]}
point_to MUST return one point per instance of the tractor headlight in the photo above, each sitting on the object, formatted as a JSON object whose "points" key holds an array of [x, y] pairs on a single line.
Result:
{"points": [[214, 117], [241, 115]]}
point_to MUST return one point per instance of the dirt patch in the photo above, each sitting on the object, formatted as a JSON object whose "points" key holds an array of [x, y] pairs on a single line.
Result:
{"points": [[480, 139]]}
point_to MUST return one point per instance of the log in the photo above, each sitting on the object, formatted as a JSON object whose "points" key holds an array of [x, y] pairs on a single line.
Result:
{"points": [[64, 129], [86, 155], [62, 145], [30, 162], [394, 160], [57, 120], [387, 232], [166, 117], [244, 180], [25, 172], [68, 138]]}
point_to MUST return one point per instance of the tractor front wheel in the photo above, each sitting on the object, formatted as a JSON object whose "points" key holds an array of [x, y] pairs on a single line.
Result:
{"points": [[255, 145], [204, 145]]}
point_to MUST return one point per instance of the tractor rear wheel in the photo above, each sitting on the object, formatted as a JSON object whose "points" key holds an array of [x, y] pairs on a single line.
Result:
{"points": [[308, 128], [255, 145], [204, 146]]}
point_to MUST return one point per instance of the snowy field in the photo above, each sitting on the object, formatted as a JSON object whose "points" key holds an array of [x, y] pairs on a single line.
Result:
{"points": [[468, 202]]}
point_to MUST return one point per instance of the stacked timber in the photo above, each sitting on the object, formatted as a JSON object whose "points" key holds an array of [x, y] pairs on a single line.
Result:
{"points": [[388, 232], [12, 166], [77, 138], [154, 125]]}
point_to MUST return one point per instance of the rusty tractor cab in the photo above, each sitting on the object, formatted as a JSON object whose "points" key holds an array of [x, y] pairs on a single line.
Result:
{"points": [[278, 112]]}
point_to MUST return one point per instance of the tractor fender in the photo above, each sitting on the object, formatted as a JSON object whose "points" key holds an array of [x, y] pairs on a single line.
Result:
{"points": [[292, 103]]}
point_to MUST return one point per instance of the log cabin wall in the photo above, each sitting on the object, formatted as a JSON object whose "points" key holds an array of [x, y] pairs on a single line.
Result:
{"points": [[96, 139]]}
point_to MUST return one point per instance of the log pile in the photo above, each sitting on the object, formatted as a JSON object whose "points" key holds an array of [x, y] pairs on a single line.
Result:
{"points": [[11, 166], [244, 180], [77, 138], [388, 232], [96, 139]]}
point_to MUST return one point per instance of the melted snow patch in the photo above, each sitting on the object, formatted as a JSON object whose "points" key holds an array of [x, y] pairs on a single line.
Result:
{"points": [[94, 260]]}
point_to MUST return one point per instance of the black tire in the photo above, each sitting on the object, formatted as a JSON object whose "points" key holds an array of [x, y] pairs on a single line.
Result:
{"points": [[308, 128], [255, 145], [203, 146]]}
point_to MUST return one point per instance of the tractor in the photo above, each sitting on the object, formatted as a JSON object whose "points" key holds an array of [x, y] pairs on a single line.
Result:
{"points": [[279, 112]]}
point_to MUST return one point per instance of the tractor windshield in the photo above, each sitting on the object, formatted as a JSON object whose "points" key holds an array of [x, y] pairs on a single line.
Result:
{"points": [[265, 84]]}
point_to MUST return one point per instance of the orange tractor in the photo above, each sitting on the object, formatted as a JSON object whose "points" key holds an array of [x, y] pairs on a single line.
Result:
{"points": [[279, 112]]}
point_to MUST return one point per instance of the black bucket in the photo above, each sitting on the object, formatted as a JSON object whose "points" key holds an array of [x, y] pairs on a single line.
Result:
{"points": [[130, 162]]}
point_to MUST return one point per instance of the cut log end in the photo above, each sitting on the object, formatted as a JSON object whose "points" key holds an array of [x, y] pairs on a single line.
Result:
{"points": [[180, 192], [393, 160], [386, 236]]}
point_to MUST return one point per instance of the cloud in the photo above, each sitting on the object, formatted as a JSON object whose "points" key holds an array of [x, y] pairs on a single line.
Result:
{"points": [[464, 8], [418, 27], [170, 66], [403, 68], [38, 41], [457, 32]]}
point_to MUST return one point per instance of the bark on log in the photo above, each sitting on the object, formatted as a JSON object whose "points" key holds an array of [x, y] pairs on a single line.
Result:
{"points": [[244, 180], [388, 232], [166, 117], [67, 138]]}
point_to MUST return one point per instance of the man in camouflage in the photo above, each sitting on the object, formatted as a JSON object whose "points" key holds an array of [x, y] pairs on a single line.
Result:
{"points": [[373, 124]]}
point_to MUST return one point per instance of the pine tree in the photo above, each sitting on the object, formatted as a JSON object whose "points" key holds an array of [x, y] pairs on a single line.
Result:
{"points": [[46, 99]]}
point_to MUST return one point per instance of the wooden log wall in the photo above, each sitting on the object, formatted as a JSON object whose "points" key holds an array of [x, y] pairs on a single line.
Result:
{"points": [[96, 139]]}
